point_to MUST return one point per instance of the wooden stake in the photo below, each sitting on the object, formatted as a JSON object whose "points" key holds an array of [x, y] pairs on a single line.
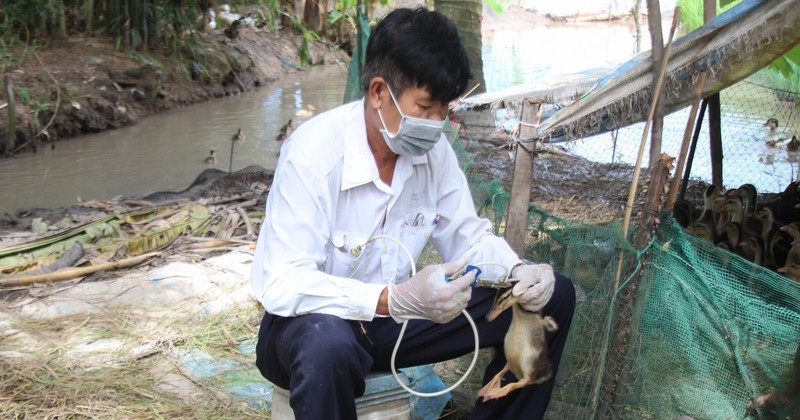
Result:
{"points": [[687, 136], [11, 127], [517, 214]]}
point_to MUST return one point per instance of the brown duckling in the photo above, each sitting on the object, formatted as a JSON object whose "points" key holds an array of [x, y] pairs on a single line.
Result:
{"points": [[683, 212], [709, 196], [778, 244], [791, 192], [732, 235], [791, 271], [752, 249], [525, 347], [238, 137], [211, 159], [720, 214], [784, 206], [749, 196], [792, 263], [767, 221], [793, 229], [286, 130], [702, 230], [793, 145]]}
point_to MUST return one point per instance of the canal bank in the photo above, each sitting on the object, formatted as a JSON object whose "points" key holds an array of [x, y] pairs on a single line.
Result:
{"points": [[85, 85]]}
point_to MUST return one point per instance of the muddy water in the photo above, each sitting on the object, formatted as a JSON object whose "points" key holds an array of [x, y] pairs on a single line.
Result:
{"points": [[166, 152], [523, 56]]}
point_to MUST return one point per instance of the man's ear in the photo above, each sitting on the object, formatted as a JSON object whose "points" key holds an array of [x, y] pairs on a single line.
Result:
{"points": [[376, 91]]}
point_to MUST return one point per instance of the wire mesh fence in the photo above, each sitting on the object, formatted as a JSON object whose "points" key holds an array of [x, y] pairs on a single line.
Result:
{"points": [[754, 151], [711, 331]]}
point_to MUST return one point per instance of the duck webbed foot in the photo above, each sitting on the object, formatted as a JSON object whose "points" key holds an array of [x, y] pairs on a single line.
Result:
{"points": [[496, 393], [494, 384]]}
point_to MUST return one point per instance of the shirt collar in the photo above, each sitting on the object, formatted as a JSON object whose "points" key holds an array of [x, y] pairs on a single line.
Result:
{"points": [[359, 164]]}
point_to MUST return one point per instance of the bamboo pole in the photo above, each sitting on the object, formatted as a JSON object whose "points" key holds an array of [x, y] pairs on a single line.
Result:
{"points": [[632, 194], [687, 135], [75, 272], [693, 147], [638, 168], [656, 120]]}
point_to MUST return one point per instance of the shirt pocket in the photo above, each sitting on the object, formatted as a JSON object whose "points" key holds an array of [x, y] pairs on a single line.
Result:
{"points": [[346, 254], [418, 226]]}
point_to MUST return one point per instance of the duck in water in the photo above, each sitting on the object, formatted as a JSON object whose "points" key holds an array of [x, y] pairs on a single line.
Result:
{"points": [[211, 159]]}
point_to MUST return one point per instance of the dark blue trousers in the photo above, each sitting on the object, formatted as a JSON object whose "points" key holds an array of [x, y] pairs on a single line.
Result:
{"points": [[323, 360]]}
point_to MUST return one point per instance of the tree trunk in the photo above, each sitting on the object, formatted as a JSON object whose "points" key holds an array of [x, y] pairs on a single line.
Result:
{"points": [[288, 10], [467, 15], [637, 23], [88, 13], [311, 15], [714, 114]]}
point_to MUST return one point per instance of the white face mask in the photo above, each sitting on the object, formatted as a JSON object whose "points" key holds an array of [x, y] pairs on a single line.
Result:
{"points": [[415, 136]]}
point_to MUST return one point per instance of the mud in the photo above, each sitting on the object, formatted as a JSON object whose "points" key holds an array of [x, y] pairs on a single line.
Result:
{"points": [[85, 85]]}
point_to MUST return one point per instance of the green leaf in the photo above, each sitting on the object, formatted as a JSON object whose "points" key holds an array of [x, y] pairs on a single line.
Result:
{"points": [[100, 230], [494, 5], [333, 16], [783, 66], [793, 56]]}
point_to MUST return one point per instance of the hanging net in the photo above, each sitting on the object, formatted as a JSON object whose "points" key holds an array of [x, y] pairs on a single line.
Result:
{"points": [[706, 332], [352, 90]]}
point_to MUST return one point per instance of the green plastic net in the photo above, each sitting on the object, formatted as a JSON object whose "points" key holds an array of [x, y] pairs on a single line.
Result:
{"points": [[352, 89], [705, 332]]}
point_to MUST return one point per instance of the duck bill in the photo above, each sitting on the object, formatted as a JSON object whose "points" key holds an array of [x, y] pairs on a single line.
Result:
{"points": [[504, 300]]}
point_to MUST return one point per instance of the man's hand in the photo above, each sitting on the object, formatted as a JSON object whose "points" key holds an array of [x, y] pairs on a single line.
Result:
{"points": [[534, 286], [428, 296]]}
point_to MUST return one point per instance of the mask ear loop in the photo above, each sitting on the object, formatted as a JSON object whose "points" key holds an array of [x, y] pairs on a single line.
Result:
{"points": [[396, 105], [380, 115], [385, 128]]}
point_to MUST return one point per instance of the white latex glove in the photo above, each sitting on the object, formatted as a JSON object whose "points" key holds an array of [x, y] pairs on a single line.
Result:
{"points": [[427, 295], [534, 286]]}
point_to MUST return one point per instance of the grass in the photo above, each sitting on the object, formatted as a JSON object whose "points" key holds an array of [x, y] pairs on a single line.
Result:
{"points": [[139, 376], [13, 52]]}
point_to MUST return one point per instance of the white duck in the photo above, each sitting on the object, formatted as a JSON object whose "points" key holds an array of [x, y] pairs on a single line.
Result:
{"points": [[305, 113], [209, 20], [773, 137], [224, 14]]}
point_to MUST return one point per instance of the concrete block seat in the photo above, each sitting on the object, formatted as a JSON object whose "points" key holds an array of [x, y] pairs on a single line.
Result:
{"points": [[383, 399]]}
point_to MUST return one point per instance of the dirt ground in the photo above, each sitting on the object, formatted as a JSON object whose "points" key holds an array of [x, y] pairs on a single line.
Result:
{"points": [[90, 86]]}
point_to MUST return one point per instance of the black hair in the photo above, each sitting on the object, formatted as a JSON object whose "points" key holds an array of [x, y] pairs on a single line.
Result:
{"points": [[417, 48]]}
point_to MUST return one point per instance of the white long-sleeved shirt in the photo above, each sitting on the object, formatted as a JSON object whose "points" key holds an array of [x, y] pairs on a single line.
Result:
{"points": [[326, 202]]}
